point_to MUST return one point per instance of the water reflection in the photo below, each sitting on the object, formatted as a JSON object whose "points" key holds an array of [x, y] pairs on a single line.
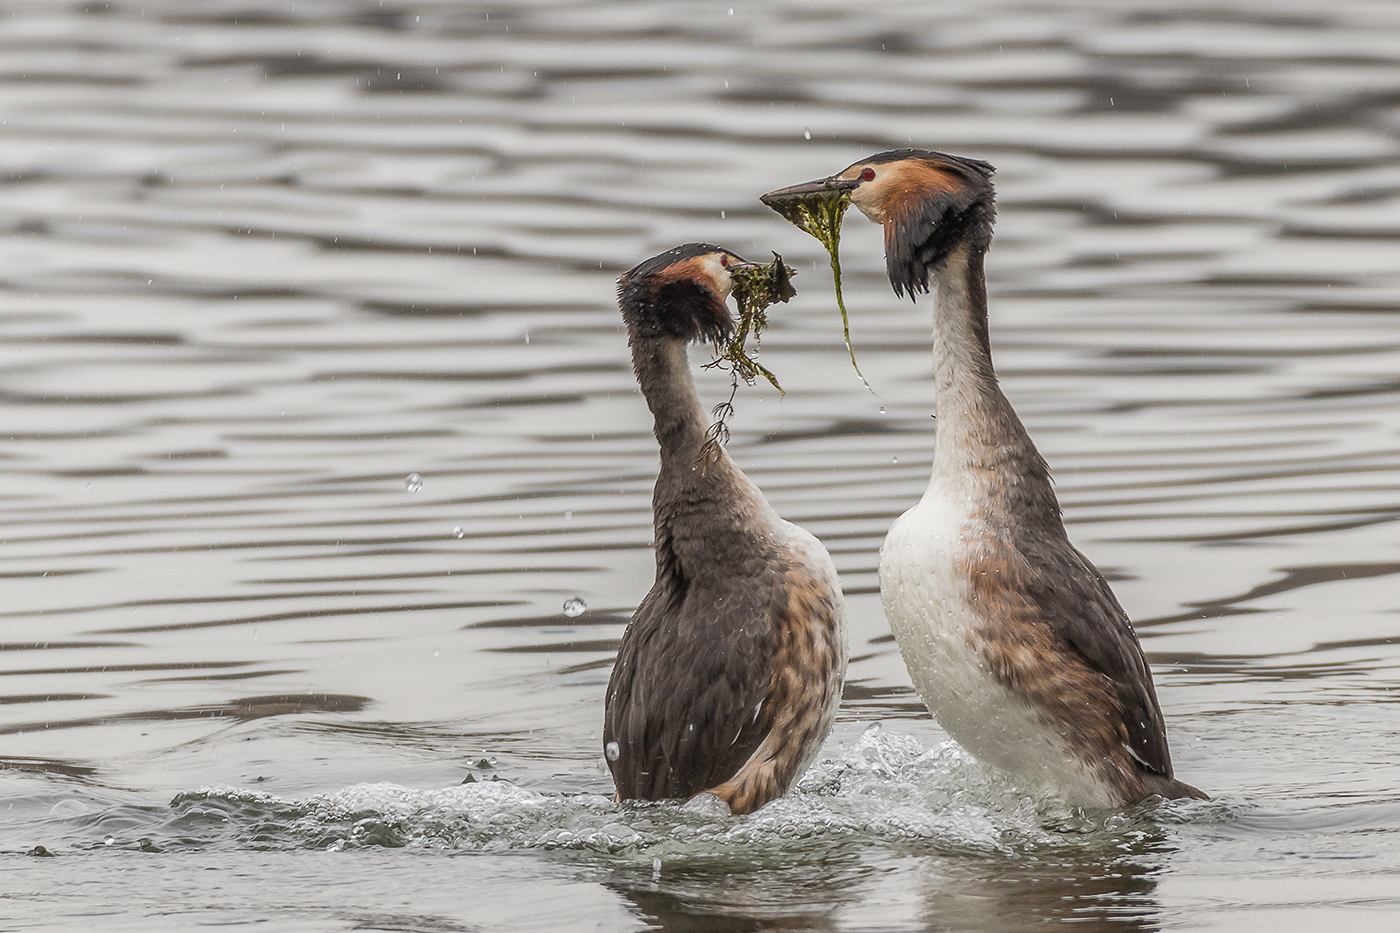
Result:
{"points": [[1092, 891]]}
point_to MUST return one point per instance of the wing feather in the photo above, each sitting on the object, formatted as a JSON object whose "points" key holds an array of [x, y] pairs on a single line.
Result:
{"points": [[1077, 603]]}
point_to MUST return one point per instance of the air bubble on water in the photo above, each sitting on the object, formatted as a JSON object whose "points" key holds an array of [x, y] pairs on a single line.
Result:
{"points": [[457, 532], [612, 751], [707, 806], [66, 808], [413, 482], [574, 607], [806, 132], [109, 840]]}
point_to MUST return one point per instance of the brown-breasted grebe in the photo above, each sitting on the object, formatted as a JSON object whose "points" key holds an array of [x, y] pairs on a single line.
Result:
{"points": [[730, 671], [1012, 637]]}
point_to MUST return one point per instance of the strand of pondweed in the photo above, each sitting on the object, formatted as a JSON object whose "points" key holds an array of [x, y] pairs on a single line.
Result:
{"points": [[833, 249], [819, 215], [755, 287]]}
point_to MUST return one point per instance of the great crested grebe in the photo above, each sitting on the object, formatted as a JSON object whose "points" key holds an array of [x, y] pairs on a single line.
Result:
{"points": [[730, 671], [1011, 636]]}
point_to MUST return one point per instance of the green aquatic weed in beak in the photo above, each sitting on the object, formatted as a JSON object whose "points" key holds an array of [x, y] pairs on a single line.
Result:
{"points": [[819, 213], [755, 287]]}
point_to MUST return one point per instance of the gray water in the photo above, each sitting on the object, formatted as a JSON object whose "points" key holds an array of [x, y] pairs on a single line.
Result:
{"points": [[263, 262]]}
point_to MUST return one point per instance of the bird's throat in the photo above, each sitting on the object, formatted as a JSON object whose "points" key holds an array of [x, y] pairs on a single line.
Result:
{"points": [[980, 439], [663, 372]]}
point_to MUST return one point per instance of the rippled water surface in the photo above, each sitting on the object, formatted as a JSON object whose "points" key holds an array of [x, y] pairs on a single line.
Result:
{"points": [[316, 411]]}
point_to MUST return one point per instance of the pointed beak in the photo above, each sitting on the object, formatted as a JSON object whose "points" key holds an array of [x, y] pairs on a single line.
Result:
{"points": [[807, 189], [773, 279]]}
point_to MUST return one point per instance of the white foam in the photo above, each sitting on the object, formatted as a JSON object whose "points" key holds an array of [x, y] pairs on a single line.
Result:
{"points": [[884, 788]]}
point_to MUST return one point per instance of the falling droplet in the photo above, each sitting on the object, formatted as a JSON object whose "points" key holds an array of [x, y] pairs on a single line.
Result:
{"points": [[894, 460], [457, 532], [655, 869], [437, 651], [731, 13], [806, 132], [109, 840], [612, 751], [574, 607], [882, 409], [413, 482], [568, 515]]}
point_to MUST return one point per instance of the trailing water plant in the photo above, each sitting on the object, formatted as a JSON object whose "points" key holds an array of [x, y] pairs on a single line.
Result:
{"points": [[755, 287], [819, 214]]}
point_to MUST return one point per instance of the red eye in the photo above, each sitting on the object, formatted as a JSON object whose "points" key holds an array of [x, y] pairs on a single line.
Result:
{"points": [[724, 260], [868, 174]]}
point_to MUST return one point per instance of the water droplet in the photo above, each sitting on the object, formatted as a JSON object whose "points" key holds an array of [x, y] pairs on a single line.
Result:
{"points": [[894, 460], [882, 409], [574, 607], [731, 13], [612, 751], [568, 515], [655, 869], [437, 651], [806, 132], [457, 532], [413, 482], [109, 840]]}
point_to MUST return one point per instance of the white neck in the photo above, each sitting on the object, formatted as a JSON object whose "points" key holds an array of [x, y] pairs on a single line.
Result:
{"points": [[981, 445]]}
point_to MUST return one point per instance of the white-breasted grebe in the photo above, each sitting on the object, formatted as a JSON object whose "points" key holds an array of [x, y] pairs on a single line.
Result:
{"points": [[730, 671], [1012, 637]]}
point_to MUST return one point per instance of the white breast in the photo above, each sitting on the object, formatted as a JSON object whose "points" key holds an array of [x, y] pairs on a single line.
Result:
{"points": [[937, 624]]}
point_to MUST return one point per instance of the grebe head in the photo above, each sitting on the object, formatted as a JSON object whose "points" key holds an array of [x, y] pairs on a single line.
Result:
{"points": [[681, 293], [929, 203]]}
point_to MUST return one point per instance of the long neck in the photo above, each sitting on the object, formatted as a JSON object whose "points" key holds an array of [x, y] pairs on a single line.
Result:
{"points": [[663, 372], [981, 447], [710, 521]]}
